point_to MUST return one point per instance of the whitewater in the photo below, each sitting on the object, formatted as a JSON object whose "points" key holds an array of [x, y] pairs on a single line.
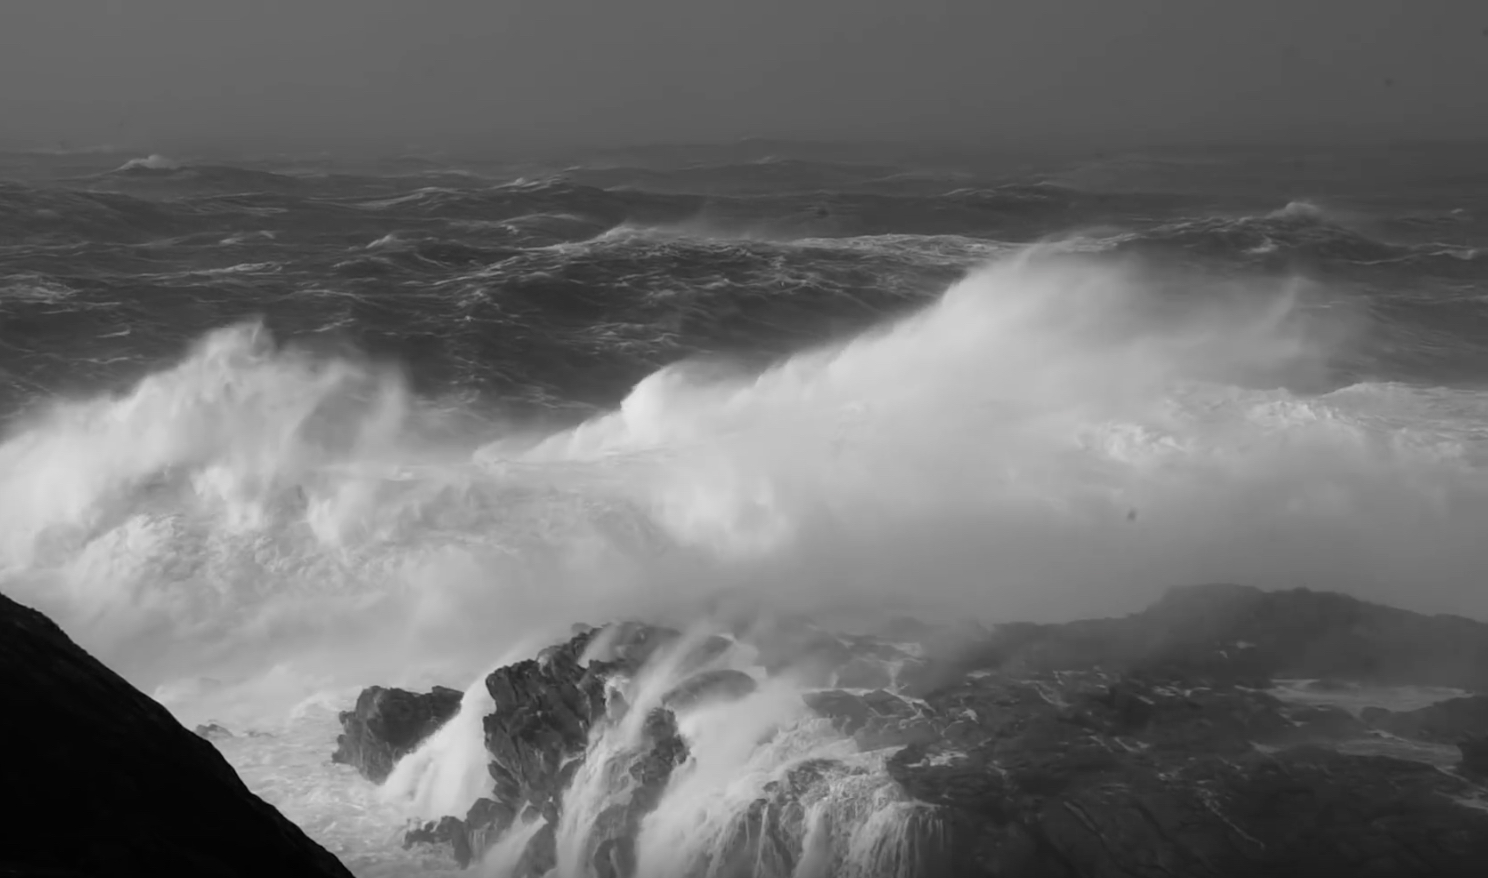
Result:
{"points": [[258, 527]]}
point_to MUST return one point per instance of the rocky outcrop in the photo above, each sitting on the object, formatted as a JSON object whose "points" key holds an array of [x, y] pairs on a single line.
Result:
{"points": [[1148, 745], [545, 711], [388, 724], [647, 770], [1246, 635], [723, 684], [1073, 775], [876, 719], [102, 780], [486, 820], [1445, 722]]}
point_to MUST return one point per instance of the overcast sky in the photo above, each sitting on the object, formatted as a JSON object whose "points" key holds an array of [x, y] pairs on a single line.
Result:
{"points": [[432, 72]]}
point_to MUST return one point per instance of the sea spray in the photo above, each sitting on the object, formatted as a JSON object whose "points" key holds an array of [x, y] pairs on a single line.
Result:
{"points": [[1053, 437], [506, 856], [447, 773], [1052, 433]]}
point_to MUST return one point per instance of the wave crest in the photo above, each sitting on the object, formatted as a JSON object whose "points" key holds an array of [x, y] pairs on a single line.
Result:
{"points": [[1054, 436]]}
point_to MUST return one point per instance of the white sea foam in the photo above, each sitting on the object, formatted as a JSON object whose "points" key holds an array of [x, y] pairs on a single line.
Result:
{"points": [[1058, 436], [153, 162]]}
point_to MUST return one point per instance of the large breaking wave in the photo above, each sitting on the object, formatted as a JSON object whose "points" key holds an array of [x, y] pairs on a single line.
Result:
{"points": [[260, 524]]}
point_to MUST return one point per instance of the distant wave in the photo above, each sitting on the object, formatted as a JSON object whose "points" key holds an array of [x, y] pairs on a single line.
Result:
{"points": [[151, 163], [325, 428], [1300, 229]]}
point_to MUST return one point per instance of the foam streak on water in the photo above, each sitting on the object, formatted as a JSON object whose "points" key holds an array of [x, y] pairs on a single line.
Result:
{"points": [[1055, 437]]}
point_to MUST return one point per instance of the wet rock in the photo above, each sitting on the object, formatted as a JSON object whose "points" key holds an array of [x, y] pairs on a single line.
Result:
{"points": [[719, 685], [541, 853], [1140, 746], [1445, 722], [796, 646], [851, 712], [1237, 635], [388, 724], [661, 751], [545, 710], [863, 673], [1317, 724], [486, 820], [1240, 634], [958, 778], [545, 707], [448, 830], [847, 711], [1136, 777], [104, 781], [874, 720], [765, 838], [623, 644]]}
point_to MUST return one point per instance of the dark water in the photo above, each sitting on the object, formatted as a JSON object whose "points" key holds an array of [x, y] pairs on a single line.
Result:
{"points": [[279, 428], [555, 287]]}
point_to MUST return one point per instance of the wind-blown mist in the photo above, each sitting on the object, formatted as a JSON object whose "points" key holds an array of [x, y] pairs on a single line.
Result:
{"points": [[1055, 437]]}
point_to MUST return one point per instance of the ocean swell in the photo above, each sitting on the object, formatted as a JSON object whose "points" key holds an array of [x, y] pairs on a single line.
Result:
{"points": [[1050, 433], [260, 524]]}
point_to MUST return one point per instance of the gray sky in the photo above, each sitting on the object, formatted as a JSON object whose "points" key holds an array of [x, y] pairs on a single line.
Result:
{"points": [[404, 72]]}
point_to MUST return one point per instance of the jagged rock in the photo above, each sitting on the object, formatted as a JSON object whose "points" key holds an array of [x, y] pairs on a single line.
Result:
{"points": [[483, 823], [1137, 778], [1445, 722], [545, 710], [847, 711], [625, 644], [719, 685], [796, 646], [104, 781], [661, 751], [1117, 748], [765, 837], [447, 830], [875, 719], [387, 724]]}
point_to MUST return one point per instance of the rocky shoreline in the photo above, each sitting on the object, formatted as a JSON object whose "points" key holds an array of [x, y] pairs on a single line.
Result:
{"points": [[1149, 745]]}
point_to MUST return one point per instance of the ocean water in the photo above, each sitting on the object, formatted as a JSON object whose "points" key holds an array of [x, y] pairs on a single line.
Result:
{"points": [[277, 428]]}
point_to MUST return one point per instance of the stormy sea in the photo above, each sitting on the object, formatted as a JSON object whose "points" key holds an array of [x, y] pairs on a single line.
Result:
{"points": [[281, 428]]}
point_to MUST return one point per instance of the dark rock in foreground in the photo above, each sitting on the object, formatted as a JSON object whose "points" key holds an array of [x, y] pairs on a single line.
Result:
{"points": [[102, 780], [387, 724]]}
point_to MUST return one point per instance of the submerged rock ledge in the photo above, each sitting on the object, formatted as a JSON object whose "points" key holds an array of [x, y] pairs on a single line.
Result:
{"points": [[1148, 745], [103, 781]]}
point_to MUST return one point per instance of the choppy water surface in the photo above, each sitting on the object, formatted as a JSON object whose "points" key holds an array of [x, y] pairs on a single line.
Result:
{"points": [[277, 429]]}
